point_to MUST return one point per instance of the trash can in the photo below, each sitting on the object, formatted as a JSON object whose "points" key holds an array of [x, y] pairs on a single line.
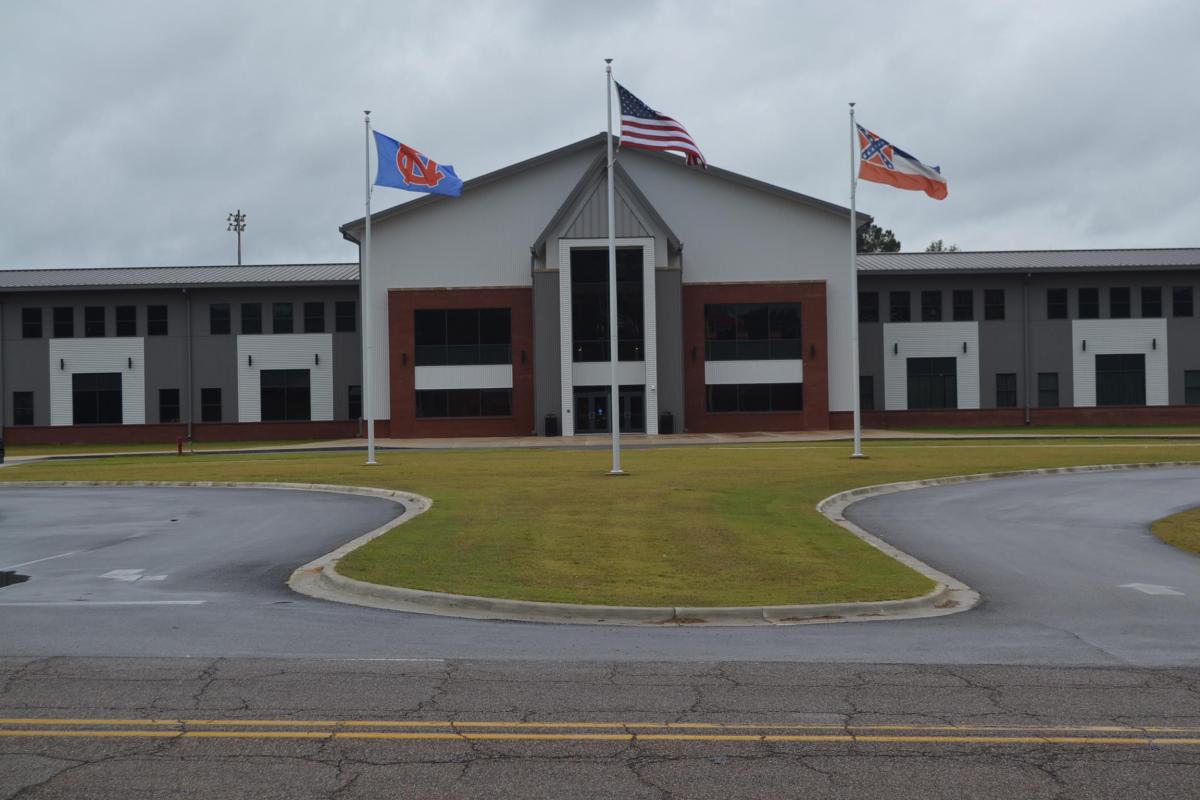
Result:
{"points": [[666, 422], [552, 425]]}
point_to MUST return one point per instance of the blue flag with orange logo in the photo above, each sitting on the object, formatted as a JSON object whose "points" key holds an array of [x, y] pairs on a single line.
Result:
{"points": [[402, 167]]}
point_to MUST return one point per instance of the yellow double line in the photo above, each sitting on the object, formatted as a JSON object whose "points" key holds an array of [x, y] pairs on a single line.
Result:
{"points": [[500, 730]]}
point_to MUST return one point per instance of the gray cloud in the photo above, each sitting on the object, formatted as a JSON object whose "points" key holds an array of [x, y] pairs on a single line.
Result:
{"points": [[129, 129]]}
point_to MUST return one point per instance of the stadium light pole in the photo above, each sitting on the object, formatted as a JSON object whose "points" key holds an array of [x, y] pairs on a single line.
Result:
{"points": [[237, 224]]}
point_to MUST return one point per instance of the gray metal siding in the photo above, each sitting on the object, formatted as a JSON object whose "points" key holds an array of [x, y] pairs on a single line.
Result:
{"points": [[592, 220], [547, 372], [669, 308]]}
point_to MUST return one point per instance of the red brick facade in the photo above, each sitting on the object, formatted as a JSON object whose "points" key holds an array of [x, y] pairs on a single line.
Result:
{"points": [[201, 432], [811, 296], [1015, 417], [401, 337]]}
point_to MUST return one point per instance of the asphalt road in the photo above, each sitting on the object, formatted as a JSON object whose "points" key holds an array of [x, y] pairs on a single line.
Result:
{"points": [[1064, 684]]}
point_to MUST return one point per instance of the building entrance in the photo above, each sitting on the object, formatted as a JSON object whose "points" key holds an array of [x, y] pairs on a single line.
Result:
{"points": [[592, 413]]}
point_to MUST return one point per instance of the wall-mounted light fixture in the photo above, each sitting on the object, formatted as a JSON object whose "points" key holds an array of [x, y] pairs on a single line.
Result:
{"points": [[316, 358], [131, 362], [1154, 344], [404, 359], [895, 348], [249, 361], [812, 351], [1084, 344], [62, 364], [522, 356], [964, 347], [693, 352]]}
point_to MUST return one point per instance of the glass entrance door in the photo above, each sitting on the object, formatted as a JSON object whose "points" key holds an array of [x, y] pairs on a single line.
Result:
{"points": [[592, 409]]}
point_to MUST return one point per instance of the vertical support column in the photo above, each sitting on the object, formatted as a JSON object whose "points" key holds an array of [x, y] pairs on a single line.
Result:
{"points": [[650, 331]]}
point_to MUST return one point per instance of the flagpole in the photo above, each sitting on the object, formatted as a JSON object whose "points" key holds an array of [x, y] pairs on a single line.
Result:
{"points": [[614, 401], [855, 390], [368, 385]]}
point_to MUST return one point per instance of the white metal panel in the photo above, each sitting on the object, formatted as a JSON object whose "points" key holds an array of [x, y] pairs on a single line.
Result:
{"points": [[650, 336], [1109, 337], [599, 373], [564, 340], [474, 376], [125, 355], [905, 340], [784, 370], [310, 351]]}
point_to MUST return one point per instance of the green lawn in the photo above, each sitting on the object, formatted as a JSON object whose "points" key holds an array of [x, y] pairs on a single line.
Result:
{"points": [[1181, 530], [147, 447], [719, 525], [1069, 430]]}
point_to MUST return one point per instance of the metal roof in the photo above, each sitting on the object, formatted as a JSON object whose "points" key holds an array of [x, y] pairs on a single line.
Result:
{"points": [[1033, 260], [221, 275]]}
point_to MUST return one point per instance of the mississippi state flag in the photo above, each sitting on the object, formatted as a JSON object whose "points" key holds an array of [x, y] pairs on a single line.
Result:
{"points": [[883, 162], [402, 167]]}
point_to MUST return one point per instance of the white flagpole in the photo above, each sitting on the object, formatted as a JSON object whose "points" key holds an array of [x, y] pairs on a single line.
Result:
{"points": [[854, 377], [614, 402], [368, 385]]}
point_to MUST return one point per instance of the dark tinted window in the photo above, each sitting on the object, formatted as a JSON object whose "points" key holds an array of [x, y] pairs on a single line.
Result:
{"points": [[344, 319], [1047, 390], [1089, 304], [868, 306], [96, 398], [931, 306], [22, 408], [354, 398], [126, 320], [752, 331], [285, 395], [463, 336], [1006, 389], [993, 304], [464, 403], [168, 405], [1056, 304], [1118, 302], [932, 383], [314, 317], [1121, 380], [93, 321], [964, 305], [210, 405], [156, 320], [899, 307], [31, 323], [1181, 301], [1191, 387], [64, 322], [1152, 301], [218, 318], [252, 318], [866, 393], [748, 397], [281, 318]]}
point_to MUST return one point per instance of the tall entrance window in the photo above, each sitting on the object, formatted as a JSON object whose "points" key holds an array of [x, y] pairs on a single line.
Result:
{"points": [[589, 305], [96, 398], [1121, 380], [932, 383], [592, 409], [285, 395]]}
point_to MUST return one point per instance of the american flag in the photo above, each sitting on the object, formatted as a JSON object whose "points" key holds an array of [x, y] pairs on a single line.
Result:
{"points": [[644, 128]]}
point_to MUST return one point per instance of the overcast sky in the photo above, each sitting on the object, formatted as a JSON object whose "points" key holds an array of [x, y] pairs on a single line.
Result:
{"points": [[130, 128]]}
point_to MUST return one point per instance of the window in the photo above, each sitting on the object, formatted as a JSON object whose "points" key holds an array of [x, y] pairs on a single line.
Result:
{"points": [[1006, 389], [931, 306], [1047, 390], [932, 383], [64, 322], [168, 405], [589, 305], [866, 392], [747, 397], [285, 394], [1089, 303], [96, 398], [1181, 301], [126, 320], [1056, 304], [964, 305], [218, 318], [251, 318], [281, 318], [752, 331], [898, 307], [314, 317], [1152, 301], [993, 304], [868, 306], [156, 320], [462, 336], [1118, 302], [354, 398], [464, 403], [93, 321], [31, 323], [210, 405], [344, 316], [22, 408], [1121, 380], [1191, 386]]}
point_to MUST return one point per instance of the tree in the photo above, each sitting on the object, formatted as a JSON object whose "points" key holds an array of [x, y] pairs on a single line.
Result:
{"points": [[939, 246], [873, 239]]}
